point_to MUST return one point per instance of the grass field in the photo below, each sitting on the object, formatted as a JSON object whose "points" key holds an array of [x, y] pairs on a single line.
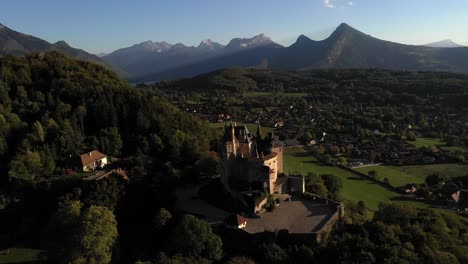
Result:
{"points": [[447, 170], [427, 142], [396, 176], [21, 255], [400, 176], [251, 126], [355, 188]]}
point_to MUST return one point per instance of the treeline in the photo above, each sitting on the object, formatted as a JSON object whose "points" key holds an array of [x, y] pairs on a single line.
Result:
{"points": [[396, 234], [53, 108], [360, 86]]}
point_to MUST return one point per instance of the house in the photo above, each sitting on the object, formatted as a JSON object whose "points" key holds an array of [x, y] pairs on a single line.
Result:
{"points": [[235, 221], [410, 188], [93, 160]]}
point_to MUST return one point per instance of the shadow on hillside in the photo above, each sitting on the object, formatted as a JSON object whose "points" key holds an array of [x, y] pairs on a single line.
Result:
{"points": [[300, 154], [403, 199], [356, 178]]}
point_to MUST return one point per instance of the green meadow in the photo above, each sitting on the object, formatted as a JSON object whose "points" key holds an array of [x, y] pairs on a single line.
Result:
{"points": [[400, 176], [355, 188]]}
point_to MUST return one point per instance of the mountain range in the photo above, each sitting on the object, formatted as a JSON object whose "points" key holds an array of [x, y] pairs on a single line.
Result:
{"points": [[150, 57], [19, 44], [346, 47]]}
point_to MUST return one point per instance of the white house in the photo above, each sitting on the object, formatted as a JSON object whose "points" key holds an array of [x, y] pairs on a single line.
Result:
{"points": [[93, 160]]}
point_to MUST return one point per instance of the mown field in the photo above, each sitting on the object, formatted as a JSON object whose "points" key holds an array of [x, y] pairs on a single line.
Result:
{"points": [[355, 188], [400, 176], [427, 142]]}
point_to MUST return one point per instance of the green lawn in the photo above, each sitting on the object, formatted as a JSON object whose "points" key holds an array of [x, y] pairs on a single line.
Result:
{"points": [[400, 176], [396, 176], [447, 170], [21, 255], [427, 142], [355, 188]]}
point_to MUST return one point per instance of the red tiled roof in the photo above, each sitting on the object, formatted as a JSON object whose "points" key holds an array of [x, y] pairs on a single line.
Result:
{"points": [[240, 220], [91, 157], [235, 219], [270, 156]]}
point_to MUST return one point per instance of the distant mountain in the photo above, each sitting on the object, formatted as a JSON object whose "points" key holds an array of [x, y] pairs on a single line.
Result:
{"points": [[346, 47], [208, 44], [149, 57], [101, 54], [19, 44], [249, 43], [447, 43]]}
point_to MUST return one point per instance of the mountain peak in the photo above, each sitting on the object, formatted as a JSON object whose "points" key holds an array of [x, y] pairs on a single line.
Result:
{"points": [[208, 44], [154, 46], [247, 43], [303, 38], [446, 43], [179, 46], [61, 43], [345, 28], [345, 31]]}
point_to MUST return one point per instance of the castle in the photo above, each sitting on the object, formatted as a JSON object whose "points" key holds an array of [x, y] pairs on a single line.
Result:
{"points": [[251, 162]]}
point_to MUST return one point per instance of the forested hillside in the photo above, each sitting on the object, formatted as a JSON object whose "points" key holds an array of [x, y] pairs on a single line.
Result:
{"points": [[52, 109]]}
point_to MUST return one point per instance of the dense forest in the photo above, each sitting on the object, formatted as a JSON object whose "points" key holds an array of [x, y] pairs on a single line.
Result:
{"points": [[53, 108], [367, 86]]}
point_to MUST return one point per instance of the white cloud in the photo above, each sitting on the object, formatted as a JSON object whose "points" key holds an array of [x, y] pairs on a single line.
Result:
{"points": [[328, 4], [331, 4]]}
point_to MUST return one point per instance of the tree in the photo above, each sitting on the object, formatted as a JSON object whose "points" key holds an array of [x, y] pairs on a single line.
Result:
{"points": [[372, 155], [25, 166], [97, 236], [272, 253], [372, 174], [361, 207], [301, 255], [240, 260], [39, 131], [327, 159], [62, 232], [434, 179], [110, 141], [194, 237], [334, 185], [316, 185], [410, 136], [162, 218], [342, 160], [386, 181]]}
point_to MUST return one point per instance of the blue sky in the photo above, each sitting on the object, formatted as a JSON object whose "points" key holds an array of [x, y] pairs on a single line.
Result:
{"points": [[106, 25]]}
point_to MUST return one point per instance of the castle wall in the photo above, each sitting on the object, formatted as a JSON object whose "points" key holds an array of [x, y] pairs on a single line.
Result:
{"points": [[279, 158]]}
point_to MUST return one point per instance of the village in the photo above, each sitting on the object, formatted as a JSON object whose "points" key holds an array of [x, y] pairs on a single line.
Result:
{"points": [[377, 146]]}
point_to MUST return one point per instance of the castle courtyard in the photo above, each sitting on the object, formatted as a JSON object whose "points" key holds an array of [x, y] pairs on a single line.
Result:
{"points": [[298, 216]]}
